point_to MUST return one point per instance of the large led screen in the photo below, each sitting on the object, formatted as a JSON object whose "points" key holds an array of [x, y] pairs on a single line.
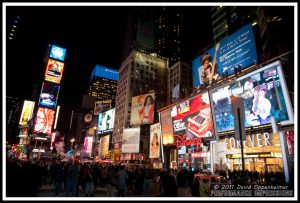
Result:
{"points": [[27, 112], [142, 109], [265, 94], [57, 53], [155, 137], [131, 140], [43, 121], [166, 127], [238, 49], [192, 118], [106, 121], [54, 71], [49, 95]]}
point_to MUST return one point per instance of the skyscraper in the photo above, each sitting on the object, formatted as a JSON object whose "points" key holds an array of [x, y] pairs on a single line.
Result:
{"points": [[103, 84], [13, 113]]}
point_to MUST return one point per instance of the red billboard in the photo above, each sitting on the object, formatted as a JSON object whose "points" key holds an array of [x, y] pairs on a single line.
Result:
{"points": [[44, 121], [54, 71]]}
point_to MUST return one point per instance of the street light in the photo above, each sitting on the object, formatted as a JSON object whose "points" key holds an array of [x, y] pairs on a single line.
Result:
{"points": [[72, 141], [95, 142]]}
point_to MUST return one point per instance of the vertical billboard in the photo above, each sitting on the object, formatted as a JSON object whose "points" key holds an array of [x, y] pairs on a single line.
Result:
{"points": [[142, 109], [26, 113], [49, 95], [88, 145], [103, 146], [44, 121], [106, 121], [192, 117], [264, 93], [235, 51], [166, 127], [57, 53], [155, 137], [23, 132], [131, 140], [54, 71]]}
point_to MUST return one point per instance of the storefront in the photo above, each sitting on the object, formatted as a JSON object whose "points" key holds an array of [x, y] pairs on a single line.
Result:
{"points": [[262, 152]]}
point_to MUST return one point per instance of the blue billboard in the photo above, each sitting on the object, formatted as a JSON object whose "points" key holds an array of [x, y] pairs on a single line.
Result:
{"points": [[236, 50], [49, 95], [104, 72], [57, 53], [264, 93]]}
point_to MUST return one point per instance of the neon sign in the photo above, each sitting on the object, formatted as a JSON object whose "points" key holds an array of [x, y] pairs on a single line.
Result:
{"points": [[182, 141]]}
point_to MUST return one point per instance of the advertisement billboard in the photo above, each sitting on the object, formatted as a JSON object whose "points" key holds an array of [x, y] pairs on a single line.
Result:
{"points": [[155, 137], [57, 53], [235, 51], [106, 121], [44, 121], [23, 132], [166, 127], [264, 93], [26, 113], [142, 109], [54, 71], [103, 146], [49, 95], [88, 145], [192, 117], [131, 140], [101, 106]]}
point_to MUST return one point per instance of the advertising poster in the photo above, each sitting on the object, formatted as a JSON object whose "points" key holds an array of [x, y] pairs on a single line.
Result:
{"points": [[44, 121], [236, 50], [103, 146], [290, 142], [23, 132], [166, 127], [155, 137], [106, 121], [57, 53], [176, 93], [192, 118], [131, 140], [142, 109], [49, 95], [264, 93], [101, 106], [54, 71], [26, 113], [88, 145]]}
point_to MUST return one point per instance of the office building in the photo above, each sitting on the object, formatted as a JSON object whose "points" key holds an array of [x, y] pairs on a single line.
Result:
{"points": [[13, 113]]}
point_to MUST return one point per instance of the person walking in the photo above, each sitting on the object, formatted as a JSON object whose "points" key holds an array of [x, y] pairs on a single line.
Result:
{"points": [[121, 181]]}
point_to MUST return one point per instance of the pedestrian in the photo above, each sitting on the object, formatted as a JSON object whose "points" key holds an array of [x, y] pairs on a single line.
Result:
{"points": [[59, 179], [73, 173], [121, 181]]}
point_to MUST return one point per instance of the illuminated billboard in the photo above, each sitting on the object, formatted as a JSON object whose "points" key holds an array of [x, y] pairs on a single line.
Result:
{"points": [[106, 121], [155, 137], [103, 146], [57, 53], [44, 121], [166, 127], [27, 112], [49, 95], [235, 51], [23, 132], [192, 118], [101, 106], [264, 93], [88, 145], [54, 71], [142, 109], [131, 140]]}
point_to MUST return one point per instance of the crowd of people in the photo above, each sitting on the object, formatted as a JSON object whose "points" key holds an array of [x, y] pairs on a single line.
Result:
{"points": [[24, 178]]}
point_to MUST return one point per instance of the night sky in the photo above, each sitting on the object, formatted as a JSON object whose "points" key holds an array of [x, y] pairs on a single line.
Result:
{"points": [[91, 35]]}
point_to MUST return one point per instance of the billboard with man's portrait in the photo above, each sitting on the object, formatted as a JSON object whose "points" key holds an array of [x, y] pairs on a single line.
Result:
{"points": [[142, 109]]}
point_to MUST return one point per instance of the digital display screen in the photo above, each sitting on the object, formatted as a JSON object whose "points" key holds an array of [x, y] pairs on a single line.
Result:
{"points": [[57, 53], [106, 121], [264, 93], [49, 95], [44, 121], [236, 50], [27, 112], [192, 118], [54, 71]]}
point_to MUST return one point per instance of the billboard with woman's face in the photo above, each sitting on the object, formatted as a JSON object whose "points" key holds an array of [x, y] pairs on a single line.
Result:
{"points": [[155, 137], [264, 93], [142, 109]]}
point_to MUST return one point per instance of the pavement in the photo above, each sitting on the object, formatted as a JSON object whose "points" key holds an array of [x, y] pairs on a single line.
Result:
{"points": [[48, 191]]}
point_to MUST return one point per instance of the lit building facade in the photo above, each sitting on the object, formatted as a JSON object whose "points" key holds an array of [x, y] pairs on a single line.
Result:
{"points": [[13, 112], [139, 74]]}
